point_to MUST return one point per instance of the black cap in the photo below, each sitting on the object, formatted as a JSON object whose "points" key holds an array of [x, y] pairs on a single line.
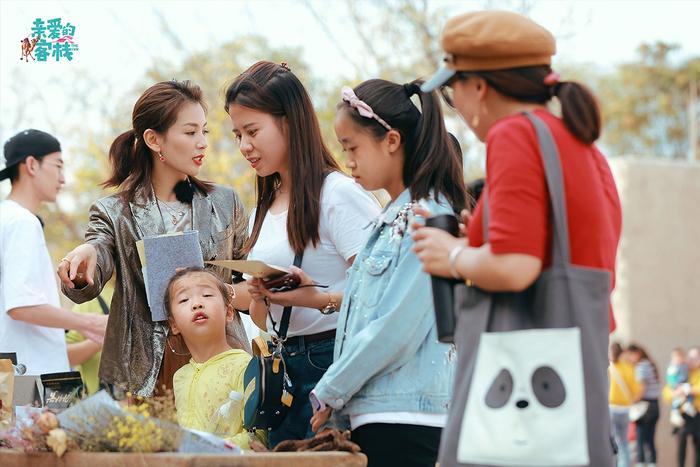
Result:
{"points": [[27, 143]]}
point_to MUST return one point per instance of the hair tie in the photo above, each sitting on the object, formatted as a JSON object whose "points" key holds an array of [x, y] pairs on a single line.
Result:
{"points": [[551, 79], [285, 66], [411, 89], [349, 96]]}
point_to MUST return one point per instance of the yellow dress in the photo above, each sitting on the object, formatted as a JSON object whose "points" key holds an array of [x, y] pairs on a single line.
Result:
{"points": [[617, 395], [202, 388]]}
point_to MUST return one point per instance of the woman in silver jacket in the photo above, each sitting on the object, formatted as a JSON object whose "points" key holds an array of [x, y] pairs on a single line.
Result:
{"points": [[155, 166]]}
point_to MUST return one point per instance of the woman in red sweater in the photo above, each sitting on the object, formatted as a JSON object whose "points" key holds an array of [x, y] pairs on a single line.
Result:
{"points": [[498, 77]]}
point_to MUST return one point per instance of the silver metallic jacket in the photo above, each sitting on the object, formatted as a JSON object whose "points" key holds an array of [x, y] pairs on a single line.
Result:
{"points": [[134, 345]]}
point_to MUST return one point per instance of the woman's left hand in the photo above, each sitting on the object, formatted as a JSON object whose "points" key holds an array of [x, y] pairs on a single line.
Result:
{"points": [[433, 247], [320, 418], [302, 296]]}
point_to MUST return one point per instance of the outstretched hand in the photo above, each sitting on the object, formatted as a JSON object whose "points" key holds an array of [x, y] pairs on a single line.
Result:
{"points": [[77, 269]]}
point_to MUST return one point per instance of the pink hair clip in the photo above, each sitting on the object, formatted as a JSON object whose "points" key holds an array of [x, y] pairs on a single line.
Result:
{"points": [[362, 108], [551, 79]]}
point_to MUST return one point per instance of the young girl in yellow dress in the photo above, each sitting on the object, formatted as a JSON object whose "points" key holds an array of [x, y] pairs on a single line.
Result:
{"points": [[209, 389]]}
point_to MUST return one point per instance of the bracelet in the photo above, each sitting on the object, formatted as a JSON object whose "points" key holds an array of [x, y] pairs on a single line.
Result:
{"points": [[331, 307], [454, 254], [317, 404]]}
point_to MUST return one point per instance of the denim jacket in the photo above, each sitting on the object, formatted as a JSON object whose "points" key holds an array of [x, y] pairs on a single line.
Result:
{"points": [[387, 357]]}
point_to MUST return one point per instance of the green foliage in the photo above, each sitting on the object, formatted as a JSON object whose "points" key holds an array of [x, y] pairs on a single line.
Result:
{"points": [[645, 103]]}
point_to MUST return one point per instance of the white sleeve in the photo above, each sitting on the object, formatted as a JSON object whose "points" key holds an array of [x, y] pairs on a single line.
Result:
{"points": [[21, 266], [350, 212]]}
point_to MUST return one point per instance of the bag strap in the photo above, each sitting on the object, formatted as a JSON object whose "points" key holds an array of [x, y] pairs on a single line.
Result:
{"points": [[103, 305], [555, 185], [555, 182], [620, 382], [287, 312]]}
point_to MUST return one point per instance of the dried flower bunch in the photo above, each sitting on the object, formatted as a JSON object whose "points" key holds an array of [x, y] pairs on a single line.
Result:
{"points": [[138, 425], [40, 433], [100, 424]]}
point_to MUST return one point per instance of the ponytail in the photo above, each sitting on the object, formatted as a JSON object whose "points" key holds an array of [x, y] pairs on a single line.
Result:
{"points": [[538, 84], [437, 164], [579, 110], [132, 164], [433, 163]]}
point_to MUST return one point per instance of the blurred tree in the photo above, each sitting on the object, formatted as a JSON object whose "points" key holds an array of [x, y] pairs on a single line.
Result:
{"points": [[400, 42], [646, 103]]}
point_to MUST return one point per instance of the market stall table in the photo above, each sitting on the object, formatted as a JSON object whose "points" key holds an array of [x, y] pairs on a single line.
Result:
{"points": [[10, 458]]}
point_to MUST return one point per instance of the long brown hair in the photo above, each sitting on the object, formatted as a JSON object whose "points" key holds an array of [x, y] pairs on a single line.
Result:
{"points": [[636, 348], [579, 108], [131, 159], [275, 90], [432, 164]]}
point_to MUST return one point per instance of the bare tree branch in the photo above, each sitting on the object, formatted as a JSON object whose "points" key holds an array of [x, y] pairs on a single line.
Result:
{"points": [[331, 36], [364, 35], [168, 31]]}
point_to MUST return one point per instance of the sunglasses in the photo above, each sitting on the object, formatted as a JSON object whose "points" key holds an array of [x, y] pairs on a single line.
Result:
{"points": [[446, 89]]}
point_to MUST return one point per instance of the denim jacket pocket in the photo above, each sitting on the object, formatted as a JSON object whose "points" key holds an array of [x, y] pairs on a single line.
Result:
{"points": [[375, 277]]}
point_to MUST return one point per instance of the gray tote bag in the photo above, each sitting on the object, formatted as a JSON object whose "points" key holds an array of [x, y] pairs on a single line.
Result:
{"points": [[531, 386]]}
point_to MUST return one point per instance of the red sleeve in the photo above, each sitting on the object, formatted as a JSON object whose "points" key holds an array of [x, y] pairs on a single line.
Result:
{"points": [[517, 194]]}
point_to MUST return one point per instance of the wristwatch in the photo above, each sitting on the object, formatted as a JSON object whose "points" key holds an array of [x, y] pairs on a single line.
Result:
{"points": [[316, 403], [331, 307]]}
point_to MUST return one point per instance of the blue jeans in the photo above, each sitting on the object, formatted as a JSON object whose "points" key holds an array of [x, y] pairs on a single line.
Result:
{"points": [[306, 364], [620, 420]]}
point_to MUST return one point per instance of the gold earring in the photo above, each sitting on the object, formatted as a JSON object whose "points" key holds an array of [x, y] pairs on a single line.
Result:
{"points": [[475, 121], [160, 156], [179, 342]]}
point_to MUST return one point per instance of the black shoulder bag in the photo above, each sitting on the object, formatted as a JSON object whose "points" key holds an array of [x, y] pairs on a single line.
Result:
{"points": [[267, 397]]}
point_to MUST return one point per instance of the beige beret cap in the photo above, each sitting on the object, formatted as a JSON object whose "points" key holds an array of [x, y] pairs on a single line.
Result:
{"points": [[492, 40]]}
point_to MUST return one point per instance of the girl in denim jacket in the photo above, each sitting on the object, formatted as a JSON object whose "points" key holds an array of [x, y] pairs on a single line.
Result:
{"points": [[390, 375]]}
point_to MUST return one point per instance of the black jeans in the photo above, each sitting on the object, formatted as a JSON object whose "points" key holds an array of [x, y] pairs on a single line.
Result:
{"points": [[646, 429], [692, 429], [306, 364], [391, 444]]}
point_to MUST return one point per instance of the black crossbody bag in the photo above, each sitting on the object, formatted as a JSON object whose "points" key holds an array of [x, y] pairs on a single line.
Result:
{"points": [[268, 397]]}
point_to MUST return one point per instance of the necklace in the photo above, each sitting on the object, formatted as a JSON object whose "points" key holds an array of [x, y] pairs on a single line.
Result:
{"points": [[174, 214]]}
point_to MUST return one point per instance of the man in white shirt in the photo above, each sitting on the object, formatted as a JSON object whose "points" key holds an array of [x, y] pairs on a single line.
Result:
{"points": [[31, 319]]}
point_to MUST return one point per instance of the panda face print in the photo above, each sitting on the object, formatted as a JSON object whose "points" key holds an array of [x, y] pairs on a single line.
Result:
{"points": [[526, 400], [546, 385]]}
